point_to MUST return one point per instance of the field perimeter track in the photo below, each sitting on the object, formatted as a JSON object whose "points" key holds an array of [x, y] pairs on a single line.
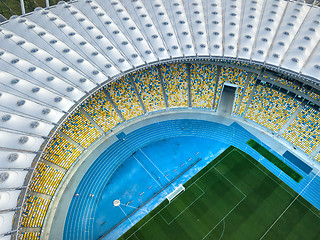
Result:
{"points": [[234, 197]]}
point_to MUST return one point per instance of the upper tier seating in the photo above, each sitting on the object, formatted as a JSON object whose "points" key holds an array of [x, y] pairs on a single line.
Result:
{"points": [[288, 83]]}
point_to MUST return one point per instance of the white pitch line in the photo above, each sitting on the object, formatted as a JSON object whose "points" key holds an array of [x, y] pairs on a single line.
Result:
{"points": [[224, 218], [153, 164], [136, 236], [230, 182], [150, 174], [183, 209], [168, 204], [289, 206], [224, 227], [277, 183], [126, 215], [132, 207]]}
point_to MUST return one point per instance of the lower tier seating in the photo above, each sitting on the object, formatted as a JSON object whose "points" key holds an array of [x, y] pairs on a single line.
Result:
{"points": [[271, 108], [101, 111], [61, 152], [45, 179], [304, 130], [124, 96], [33, 211], [203, 83], [175, 84]]}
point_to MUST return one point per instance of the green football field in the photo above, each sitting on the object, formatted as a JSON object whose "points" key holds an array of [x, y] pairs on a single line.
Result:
{"points": [[234, 197]]}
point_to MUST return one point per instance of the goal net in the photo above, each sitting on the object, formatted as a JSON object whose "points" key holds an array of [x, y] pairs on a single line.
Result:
{"points": [[175, 193]]}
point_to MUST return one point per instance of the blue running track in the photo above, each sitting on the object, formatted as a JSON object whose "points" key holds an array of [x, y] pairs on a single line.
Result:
{"points": [[138, 170]]}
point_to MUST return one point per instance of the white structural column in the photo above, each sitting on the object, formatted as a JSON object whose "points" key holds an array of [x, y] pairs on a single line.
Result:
{"points": [[23, 11]]}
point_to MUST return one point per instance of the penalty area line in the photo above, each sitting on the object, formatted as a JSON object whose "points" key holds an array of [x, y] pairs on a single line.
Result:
{"points": [[223, 219], [183, 209], [186, 189]]}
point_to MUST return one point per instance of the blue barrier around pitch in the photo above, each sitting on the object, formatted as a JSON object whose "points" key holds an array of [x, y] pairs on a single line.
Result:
{"points": [[296, 161]]}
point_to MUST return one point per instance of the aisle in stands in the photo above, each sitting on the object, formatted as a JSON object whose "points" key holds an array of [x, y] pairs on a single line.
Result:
{"points": [[34, 211], [29, 236], [45, 179], [247, 93], [234, 76], [80, 129]]}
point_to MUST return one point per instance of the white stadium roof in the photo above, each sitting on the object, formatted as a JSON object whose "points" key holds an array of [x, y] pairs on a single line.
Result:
{"points": [[53, 58]]}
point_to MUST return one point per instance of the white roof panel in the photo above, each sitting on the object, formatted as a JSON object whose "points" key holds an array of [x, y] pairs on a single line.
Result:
{"points": [[141, 17], [290, 25], [231, 27], [130, 29], [214, 25], [159, 15], [8, 199], [251, 16], [16, 85], [28, 107], [274, 10], [179, 20], [5, 223], [24, 69], [13, 179], [24, 125], [19, 141], [14, 159]]}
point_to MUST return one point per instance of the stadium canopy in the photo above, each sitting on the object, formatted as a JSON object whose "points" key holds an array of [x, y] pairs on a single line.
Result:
{"points": [[52, 59]]}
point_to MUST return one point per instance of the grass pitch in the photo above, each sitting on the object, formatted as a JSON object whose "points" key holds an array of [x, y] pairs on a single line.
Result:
{"points": [[234, 197]]}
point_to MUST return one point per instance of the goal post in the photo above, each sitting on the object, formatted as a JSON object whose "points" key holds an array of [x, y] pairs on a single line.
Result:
{"points": [[175, 193]]}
